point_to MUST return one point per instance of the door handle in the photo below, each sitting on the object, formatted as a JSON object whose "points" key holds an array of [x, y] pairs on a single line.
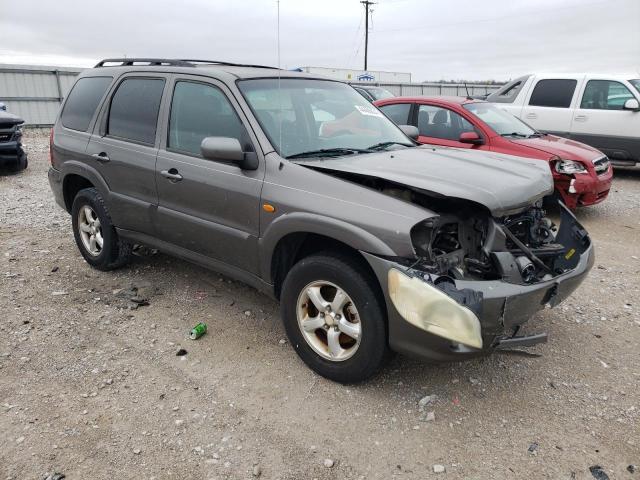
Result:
{"points": [[171, 174], [531, 115], [580, 118], [101, 157]]}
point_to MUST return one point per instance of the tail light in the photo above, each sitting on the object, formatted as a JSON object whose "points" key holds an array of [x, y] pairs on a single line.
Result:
{"points": [[51, 147]]}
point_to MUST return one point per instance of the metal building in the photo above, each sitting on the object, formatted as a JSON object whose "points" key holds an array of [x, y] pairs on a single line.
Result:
{"points": [[35, 93]]}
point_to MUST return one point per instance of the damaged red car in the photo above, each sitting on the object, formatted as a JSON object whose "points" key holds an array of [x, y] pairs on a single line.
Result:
{"points": [[582, 174]]}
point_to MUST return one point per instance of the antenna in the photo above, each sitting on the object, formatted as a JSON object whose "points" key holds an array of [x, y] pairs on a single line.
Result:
{"points": [[279, 92], [469, 97]]}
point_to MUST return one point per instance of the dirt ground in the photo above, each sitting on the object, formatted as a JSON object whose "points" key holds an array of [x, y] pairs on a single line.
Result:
{"points": [[91, 386]]}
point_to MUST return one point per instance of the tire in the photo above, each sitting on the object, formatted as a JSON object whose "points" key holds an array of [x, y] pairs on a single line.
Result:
{"points": [[114, 252], [364, 294], [21, 163]]}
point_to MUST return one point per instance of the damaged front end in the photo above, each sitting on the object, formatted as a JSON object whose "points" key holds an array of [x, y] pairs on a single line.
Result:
{"points": [[478, 278]]}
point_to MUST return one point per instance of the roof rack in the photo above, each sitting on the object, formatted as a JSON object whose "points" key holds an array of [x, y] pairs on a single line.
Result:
{"points": [[155, 62]]}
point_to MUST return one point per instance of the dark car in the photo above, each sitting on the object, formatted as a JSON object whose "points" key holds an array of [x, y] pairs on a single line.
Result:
{"points": [[299, 187], [12, 155]]}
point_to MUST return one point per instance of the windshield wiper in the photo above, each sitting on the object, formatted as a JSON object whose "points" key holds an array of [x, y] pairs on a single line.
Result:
{"points": [[537, 134], [382, 145], [328, 152], [514, 134]]}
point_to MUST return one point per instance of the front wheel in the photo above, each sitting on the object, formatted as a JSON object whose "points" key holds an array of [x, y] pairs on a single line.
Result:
{"points": [[334, 317]]}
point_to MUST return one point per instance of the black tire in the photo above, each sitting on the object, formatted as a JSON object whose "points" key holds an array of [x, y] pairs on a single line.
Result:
{"points": [[361, 286], [115, 252], [21, 163]]}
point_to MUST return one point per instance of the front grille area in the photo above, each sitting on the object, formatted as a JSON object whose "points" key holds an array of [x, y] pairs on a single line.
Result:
{"points": [[5, 137], [601, 165]]}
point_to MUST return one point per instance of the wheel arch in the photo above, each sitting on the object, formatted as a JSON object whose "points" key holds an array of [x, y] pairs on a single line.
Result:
{"points": [[288, 240], [77, 176]]}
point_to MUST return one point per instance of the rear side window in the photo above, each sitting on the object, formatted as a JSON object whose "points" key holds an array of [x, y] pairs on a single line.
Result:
{"points": [[199, 111], [605, 95], [553, 93], [398, 112], [83, 101], [508, 92], [134, 109]]}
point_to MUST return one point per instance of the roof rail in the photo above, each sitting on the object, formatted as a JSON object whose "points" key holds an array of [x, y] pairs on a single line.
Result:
{"points": [[228, 64], [144, 61], [155, 62]]}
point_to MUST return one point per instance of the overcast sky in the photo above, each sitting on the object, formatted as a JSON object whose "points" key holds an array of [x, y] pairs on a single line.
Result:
{"points": [[432, 39]]}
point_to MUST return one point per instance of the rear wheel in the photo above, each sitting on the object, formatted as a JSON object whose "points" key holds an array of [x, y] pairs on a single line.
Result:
{"points": [[334, 317], [94, 233]]}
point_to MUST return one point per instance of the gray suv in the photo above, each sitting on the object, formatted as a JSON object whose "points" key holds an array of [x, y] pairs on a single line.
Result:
{"points": [[301, 188]]}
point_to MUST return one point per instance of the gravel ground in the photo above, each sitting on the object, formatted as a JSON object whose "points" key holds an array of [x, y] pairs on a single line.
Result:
{"points": [[91, 386]]}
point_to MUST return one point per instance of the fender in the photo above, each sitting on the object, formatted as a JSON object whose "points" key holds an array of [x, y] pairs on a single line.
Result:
{"points": [[75, 167], [302, 222]]}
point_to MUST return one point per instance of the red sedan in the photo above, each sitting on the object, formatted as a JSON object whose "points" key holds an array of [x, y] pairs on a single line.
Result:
{"points": [[582, 174]]}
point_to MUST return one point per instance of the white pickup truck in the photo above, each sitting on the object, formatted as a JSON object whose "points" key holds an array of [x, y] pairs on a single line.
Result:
{"points": [[600, 110]]}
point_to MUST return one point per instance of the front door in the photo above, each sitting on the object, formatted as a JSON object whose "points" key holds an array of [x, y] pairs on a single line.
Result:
{"points": [[602, 122], [205, 206], [124, 147], [441, 126]]}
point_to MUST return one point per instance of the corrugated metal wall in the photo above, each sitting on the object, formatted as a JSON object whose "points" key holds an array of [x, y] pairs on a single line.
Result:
{"points": [[433, 89], [35, 93]]}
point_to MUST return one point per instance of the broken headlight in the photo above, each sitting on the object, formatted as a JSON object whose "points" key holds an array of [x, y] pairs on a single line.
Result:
{"points": [[430, 309], [569, 167]]}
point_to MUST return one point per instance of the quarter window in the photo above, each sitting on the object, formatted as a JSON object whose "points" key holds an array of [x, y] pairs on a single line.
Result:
{"points": [[553, 93], [398, 112], [605, 95], [442, 123], [134, 109], [83, 101], [199, 111]]}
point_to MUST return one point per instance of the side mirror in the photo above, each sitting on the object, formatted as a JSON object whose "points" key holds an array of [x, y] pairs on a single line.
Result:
{"points": [[471, 137], [228, 149], [410, 131], [632, 104]]}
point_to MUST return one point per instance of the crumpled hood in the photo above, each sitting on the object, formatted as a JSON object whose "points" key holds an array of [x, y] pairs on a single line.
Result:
{"points": [[562, 147], [502, 183]]}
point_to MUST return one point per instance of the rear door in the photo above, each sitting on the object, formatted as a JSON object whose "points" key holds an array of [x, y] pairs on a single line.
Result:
{"points": [[124, 147], [550, 102], [213, 207], [601, 121]]}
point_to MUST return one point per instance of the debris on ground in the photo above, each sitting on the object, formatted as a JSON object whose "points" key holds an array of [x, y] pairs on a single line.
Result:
{"points": [[426, 400], [533, 448], [632, 468], [598, 473], [55, 476], [199, 330], [328, 463], [257, 471], [439, 469], [181, 353]]}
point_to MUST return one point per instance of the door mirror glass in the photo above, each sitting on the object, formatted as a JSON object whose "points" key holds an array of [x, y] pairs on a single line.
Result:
{"points": [[471, 137], [410, 131], [632, 104], [227, 149]]}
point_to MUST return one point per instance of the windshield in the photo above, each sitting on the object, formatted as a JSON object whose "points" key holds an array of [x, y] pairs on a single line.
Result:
{"points": [[303, 115], [380, 93], [636, 84], [503, 123]]}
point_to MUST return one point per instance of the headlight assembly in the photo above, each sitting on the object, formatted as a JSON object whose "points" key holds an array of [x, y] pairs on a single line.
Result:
{"points": [[569, 167], [430, 309]]}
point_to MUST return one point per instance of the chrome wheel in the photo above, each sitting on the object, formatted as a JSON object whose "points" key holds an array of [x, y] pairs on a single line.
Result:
{"points": [[329, 320], [90, 230]]}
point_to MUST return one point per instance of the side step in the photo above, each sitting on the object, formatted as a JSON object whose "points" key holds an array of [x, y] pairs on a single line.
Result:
{"points": [[522, 341]]}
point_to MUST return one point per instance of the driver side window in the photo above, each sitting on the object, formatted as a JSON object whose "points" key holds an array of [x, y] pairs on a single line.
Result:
{"points": [[438, 122], [605, 95], [198, 111]]}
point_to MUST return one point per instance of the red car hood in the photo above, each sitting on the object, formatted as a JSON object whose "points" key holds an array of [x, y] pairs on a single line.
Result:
{"points": [[562, 147]]}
